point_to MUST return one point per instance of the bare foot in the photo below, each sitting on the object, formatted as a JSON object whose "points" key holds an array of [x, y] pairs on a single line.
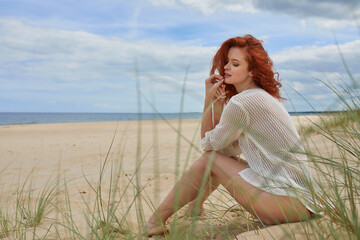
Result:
{"points": [[154, 229]]}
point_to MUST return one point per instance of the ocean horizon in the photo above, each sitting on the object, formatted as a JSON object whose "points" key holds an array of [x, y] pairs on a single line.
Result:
{"points": [[20, 118]]}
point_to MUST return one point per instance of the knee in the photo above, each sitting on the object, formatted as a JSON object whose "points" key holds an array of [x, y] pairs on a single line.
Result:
{"points": [[202, 160], [210, 154], [205, 158], [208, 157]]}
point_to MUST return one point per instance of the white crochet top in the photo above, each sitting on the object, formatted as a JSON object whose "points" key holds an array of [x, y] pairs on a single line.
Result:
{"points": [[257, 124]]}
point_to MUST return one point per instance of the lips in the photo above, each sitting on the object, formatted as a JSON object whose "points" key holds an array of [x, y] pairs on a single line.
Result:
{"points": [[227, 75]]}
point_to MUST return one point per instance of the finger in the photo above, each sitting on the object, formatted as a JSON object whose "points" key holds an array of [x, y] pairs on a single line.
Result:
{"points": [[214, 78], [217, 76], [221, 90], [218, 84], [211, 77], [221, 95], [217, 94]]}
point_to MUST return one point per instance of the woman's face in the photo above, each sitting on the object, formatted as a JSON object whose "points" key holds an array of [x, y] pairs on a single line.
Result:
{"points": [[236, 69]]}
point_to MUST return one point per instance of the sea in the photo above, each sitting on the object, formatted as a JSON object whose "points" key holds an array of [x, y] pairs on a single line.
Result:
{"points": [[19, 118]]}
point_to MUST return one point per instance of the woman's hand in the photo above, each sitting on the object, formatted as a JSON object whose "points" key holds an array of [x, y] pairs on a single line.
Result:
{"points": [[220, 96], [212, 85]]}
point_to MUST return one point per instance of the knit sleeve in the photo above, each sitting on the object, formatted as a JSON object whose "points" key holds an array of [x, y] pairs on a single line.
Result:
{"points": [[232, 150], [233, 121]]}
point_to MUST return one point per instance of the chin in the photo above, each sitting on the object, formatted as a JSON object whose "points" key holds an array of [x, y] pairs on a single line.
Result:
{"points": [[228, 82]]}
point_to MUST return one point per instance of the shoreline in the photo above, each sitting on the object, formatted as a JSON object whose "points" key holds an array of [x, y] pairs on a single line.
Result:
{"points": [[11, 119], [312, 115], [97, 123]]}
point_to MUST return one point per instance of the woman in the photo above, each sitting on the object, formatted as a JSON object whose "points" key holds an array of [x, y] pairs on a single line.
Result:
{"points": [[274, 182]]}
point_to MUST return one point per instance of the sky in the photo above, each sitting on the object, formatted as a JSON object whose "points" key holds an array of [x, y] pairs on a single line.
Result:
{"points": [[152, 55]]}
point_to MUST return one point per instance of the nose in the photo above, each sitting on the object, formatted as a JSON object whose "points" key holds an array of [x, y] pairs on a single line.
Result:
{"points": [[226, 67]]}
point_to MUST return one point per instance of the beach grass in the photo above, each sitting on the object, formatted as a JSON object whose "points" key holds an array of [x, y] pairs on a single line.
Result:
{"points": [[337, 167], [5, 223]]}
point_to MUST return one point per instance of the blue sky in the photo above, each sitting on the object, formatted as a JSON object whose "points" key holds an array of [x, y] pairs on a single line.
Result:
{"points": [[85, 56]]}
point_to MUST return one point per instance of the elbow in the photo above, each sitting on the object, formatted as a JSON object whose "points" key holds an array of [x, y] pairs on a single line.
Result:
{"points": [[206, 146], [210, 147]]}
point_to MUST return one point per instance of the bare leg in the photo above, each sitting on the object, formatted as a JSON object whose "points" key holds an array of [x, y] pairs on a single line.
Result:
{"points": [[196, 207], [269, 208], [184, 191]]}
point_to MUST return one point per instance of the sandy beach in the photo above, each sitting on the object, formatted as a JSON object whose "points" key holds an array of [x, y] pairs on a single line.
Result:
{"points": [[76, 152]]}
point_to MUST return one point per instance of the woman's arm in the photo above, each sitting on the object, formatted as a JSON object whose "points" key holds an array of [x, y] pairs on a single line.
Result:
{"points": [[210, 91], [218, 105], [217, 111], [206, 123], [234, 120]]}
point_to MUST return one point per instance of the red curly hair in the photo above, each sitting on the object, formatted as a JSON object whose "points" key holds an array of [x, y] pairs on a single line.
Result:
{"points": [[259, 62]]}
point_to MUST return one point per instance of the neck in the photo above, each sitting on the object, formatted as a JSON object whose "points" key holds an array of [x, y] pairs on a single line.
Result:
{"points": [[250, 85]]}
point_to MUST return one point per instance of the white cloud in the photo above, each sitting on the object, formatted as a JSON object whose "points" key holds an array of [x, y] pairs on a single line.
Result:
{"points": [[208, 7], [325, 13], [329, 9], [55, 56], [298, 86], [319, 58], [34, 58], [307, 70], [94, 68], [334, 23], [320, 96], [211, 6], [169, 3], [303, 23]]}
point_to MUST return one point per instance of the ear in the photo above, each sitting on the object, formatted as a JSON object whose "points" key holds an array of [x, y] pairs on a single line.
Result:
{"points": [[250, 74]]}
